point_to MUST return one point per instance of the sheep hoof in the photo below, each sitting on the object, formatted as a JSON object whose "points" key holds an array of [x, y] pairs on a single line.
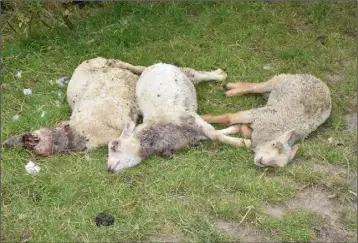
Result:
{"points": [[222, 75], [247, 143], [225, 86]]}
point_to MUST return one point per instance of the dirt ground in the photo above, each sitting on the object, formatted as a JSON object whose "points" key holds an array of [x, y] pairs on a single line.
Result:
{"points": [[317, 200]]}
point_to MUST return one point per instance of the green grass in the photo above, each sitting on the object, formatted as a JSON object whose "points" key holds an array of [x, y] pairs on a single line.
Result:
{"points": [[184, 196], [293, 226]]}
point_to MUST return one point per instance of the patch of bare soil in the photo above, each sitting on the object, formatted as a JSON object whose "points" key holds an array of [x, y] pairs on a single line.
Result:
{"points": [[318, 201], [164, 238], [303, 26], [239, 232], [184, 199], [274, 211], [328, 168], [351, 120], [336, 77]]}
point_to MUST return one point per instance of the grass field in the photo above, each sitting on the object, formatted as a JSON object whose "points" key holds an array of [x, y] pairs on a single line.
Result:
{"points": [[211, 192]]}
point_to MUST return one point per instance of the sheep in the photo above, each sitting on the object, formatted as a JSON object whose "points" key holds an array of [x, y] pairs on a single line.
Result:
{"points": [[297, 105], [101, 94], [168, 103]]}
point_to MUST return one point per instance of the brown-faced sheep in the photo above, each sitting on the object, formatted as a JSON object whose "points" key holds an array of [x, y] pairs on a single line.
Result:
{"points": [[297, 105]]}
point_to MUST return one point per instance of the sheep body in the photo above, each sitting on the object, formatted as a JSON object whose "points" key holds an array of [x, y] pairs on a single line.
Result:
{"points": [[168, 103], [299, 102], [101, 94], [167, 100], [297, 105], [171, 91]]}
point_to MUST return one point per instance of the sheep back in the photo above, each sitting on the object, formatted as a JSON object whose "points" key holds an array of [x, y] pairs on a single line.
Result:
{"points": [[102, 98], [164, 88]]}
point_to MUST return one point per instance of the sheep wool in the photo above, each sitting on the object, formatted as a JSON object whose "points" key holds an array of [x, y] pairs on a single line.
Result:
{"points": [[298, 101], [101, 94]]}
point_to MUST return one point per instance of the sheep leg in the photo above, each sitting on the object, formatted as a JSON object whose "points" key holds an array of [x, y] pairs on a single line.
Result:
{"points": [[63, 124], [244, 129], [230, 118], [199, 76], [216, 136], [240, 88], [124, 65]]}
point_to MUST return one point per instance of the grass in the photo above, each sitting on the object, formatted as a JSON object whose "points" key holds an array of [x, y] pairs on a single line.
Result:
{"points": [[183, 197], [293, 227]]}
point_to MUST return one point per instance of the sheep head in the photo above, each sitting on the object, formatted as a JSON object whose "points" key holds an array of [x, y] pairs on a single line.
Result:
{"points": [[277, 152], [123, 151]]}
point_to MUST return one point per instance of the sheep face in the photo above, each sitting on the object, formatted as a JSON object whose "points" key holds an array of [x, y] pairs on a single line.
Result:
{"points": [[123, 151], [277, 152]]}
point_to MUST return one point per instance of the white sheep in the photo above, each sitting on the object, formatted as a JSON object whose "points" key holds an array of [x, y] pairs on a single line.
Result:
{"points": [[297, 105], [168, 103], [101, 94]]}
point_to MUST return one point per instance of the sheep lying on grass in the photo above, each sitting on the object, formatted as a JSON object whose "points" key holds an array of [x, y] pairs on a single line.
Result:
{"points": [[167, 101], [101, 94], [297, 105]]}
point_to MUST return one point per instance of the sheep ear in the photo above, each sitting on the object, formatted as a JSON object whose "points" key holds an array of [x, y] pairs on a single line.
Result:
{"points": [[128, 129], [293, 152], [288, 137]]}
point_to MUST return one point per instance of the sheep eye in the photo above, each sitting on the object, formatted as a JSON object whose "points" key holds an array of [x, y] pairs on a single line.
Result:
{"points": [[114, 146], [273, 144]]}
